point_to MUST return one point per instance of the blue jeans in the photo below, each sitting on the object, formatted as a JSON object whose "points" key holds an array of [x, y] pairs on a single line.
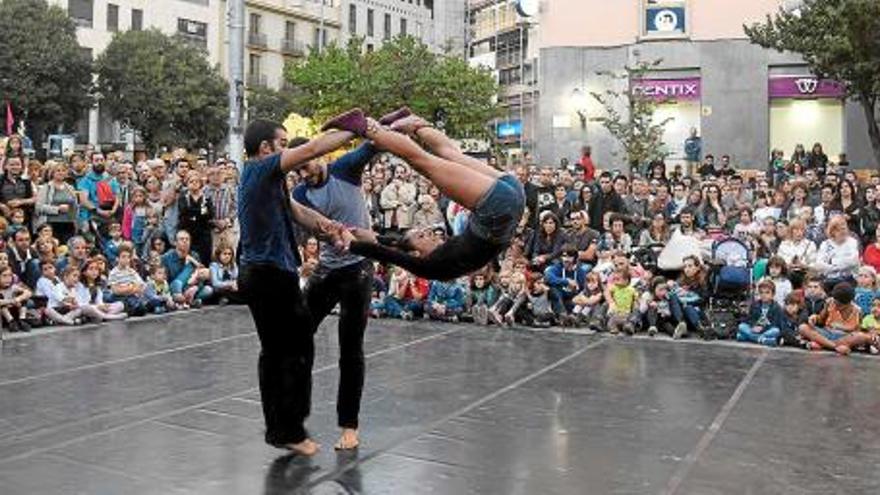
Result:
{"points": [[747, 333], [497, 213], [393, 307], [560, 301]]}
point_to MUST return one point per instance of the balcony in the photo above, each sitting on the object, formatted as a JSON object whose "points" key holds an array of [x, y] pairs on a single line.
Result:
{"points": [[257, 40], [256, 81], [293, 48]]}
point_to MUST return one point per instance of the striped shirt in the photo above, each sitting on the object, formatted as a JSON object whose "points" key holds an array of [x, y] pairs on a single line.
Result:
{"points": [[223, 198]]}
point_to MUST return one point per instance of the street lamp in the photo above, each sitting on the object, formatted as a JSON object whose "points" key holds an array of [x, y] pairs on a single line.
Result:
{"points": [[579, 102]]}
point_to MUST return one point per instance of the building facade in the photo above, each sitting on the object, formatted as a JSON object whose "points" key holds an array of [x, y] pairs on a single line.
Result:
{"points": [[503, 37], [378, 21], [742, 99], [98, 20]]}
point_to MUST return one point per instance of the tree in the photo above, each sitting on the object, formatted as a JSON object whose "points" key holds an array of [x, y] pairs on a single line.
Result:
{"points": [[164, 88], [402, 72], [44, 73], [839, 40], [270, 104], [629, 116]]}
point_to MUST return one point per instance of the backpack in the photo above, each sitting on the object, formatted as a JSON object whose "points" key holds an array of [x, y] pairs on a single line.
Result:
{"points": [[105, 194]]}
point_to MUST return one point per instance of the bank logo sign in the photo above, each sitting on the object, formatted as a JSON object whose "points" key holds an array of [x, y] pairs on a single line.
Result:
{"points": [[664, 20], [807, 85]]}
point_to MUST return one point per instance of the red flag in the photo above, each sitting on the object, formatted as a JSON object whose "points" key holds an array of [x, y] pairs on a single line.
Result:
{"points": [[10, 120]]}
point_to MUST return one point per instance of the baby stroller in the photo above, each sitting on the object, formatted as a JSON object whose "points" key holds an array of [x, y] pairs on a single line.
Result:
{"points": [[730, 284]]}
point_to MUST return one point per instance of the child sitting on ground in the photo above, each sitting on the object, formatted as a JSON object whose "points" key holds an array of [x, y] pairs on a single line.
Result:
{"points": [[866, 289], [45, 292], [126, 285], [836, 327], [589, 305], [159, 291], [539, 312], [512, 297], [765, 318], [446, 301], [871, 325], [13, 302], [794, 315], [622, 300], [93, 281], [661, 310], [777, 272], [480, 298]]}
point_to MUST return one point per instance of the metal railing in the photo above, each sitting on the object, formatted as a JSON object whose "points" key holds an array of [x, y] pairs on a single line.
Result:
{"points": [[293, 47], [257, 40], [256, 80]]}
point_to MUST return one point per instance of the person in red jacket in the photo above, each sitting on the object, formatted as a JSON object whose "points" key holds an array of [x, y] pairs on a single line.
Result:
{"points": [[587, 165], [871, 256]]}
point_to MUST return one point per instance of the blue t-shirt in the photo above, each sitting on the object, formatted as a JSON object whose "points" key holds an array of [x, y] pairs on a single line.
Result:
{"points": [[267, 235]]}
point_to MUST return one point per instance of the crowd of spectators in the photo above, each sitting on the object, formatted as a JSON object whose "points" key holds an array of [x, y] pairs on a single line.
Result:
{"points": [[94, 237]]}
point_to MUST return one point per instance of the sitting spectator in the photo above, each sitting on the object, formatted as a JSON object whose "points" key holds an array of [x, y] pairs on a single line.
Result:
{"points": [[794, 315], [406, 296], [112, 242], [159, 291], [871, 325], [446, 301], [73, 300], [481, 297], [96, 286], [545, 244], [189, 278], [661, 309], [622, 299], [311, 250], [656, 233], [77, 254], [582, 237], [765, 318], [224, 276], [13, 302], [589, 305], [126, 285], [837, 326], [513, 295], [838, 256], [566, 279], [866, 289], [23, 260], [616, 239], [692, 291], [778, 274], [538, 312], [45, 294]]}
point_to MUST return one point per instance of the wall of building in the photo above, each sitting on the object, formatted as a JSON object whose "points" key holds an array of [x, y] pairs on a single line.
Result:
{"points": [[735, 101], [419, 21]]}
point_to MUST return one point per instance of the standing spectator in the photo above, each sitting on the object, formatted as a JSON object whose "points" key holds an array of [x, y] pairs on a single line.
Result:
{"points": [[126, 184], [197, 216], [134, 221], [693, 151], [223, 199], [586, 164], [169, 187], [15, 190], [100, 196], [707, 169], [544, 191], [604, 202], [58, 203], [398, 200], [428, 214]]}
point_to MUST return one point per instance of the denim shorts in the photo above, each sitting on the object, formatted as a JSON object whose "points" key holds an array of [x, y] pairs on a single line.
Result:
{"points": [[831, 334], [498, 212]]}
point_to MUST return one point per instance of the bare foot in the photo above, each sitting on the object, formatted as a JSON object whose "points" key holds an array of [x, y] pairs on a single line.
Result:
{"points": [[348, 440], [409, 125], [307, 447], [842, 350], [814, 346]]}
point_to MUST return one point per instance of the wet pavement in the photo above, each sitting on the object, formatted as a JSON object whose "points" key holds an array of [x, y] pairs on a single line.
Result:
{"points": [[170, 405]]}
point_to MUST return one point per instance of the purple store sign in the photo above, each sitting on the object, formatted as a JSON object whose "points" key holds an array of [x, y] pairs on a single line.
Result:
{"points": [[686, 89], [805, 87]]}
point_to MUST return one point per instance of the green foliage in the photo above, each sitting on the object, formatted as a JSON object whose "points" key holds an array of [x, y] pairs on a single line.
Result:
{"points": [[839, 40], [164, 88], [44, 73], [268, 103], [401, 72], [629, 116]]}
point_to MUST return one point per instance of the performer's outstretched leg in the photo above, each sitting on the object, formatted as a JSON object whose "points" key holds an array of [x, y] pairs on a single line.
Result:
{"points": [[457, 181]]}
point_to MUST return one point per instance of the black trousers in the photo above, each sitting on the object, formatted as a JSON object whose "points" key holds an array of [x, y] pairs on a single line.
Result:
{"points": [[287, 352], [351, 287]]}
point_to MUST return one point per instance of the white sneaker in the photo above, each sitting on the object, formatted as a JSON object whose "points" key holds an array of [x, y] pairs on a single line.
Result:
{"points": [[680, 330]]}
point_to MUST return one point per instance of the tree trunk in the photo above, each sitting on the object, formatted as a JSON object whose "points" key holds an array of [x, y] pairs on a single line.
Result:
{"points": [[869, 105]]}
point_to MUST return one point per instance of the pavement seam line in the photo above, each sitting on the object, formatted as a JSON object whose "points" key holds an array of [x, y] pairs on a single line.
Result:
{"points": [[212, 401], [693, 456], [463, 410]]}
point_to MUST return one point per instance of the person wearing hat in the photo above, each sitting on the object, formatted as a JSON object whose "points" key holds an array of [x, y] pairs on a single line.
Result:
{"points": [[836, 328]]}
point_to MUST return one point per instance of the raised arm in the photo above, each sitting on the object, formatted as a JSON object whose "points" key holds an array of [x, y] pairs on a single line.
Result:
{"points": [[296, 158]]}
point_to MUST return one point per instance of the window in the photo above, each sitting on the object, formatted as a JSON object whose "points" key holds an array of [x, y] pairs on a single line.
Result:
{"points": [[370, 15], [112, 17], [370, 48], [254, 24], [137, 20], [320, 37], [664, 18], [194, 31], [81, 11], [254, 62], [352, 19], [290, 30], [402, 26], [387, 27]]}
